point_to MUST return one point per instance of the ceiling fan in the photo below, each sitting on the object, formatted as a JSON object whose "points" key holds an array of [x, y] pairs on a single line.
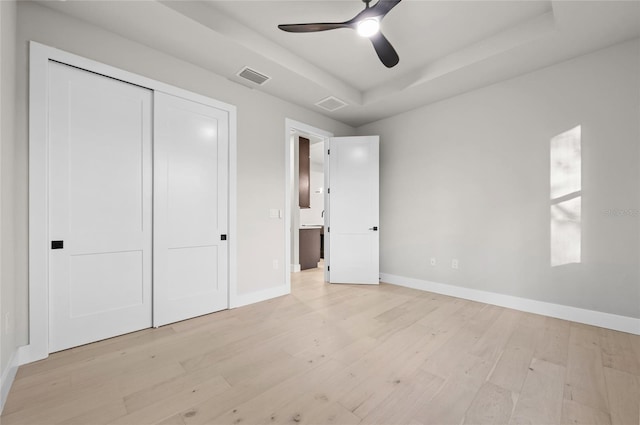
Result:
{"points": [[367, 23]]}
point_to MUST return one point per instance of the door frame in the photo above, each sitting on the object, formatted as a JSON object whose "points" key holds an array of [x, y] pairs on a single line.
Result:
{"points": [[291, 125], [39, 57]]}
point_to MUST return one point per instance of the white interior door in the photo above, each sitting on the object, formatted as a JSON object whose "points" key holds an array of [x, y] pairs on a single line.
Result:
{"points": [[191, 143], [353, 243], [100, 192]]}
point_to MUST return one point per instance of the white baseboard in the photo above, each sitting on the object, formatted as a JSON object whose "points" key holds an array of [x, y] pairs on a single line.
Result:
{"points": [[295, 268], [31, 353], [256, 297], [6, 380], [590, 317]]}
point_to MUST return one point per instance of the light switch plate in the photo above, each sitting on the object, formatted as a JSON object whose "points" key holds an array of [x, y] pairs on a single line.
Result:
{"points": [[275, 213]]}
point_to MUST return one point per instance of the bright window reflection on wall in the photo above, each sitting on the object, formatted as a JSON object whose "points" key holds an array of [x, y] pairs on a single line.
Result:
{"points": [[566, 197]]}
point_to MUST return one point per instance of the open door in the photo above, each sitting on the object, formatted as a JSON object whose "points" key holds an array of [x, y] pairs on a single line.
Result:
{"points": [[351, 210]]}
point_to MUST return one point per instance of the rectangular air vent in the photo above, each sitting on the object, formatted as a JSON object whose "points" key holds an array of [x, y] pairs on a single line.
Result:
{"points": [[253, 76], [331, 104]]}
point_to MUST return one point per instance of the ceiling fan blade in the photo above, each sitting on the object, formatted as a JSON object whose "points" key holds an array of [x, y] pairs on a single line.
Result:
{"points": [[379, 10], [385, 50], [313, 27], [384, 6]]}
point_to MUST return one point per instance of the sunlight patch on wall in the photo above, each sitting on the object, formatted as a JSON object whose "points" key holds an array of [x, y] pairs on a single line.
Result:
{"points": [[566, 197]]}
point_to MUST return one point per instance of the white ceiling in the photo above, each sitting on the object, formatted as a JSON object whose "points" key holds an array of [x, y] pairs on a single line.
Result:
{"points": [[445, 47]]}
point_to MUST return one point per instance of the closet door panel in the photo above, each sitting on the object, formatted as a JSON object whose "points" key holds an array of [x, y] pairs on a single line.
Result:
{"points": [[100, 188], [190, 209]]}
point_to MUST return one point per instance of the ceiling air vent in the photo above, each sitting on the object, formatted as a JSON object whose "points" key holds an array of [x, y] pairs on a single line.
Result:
{"points": [[253, 76], [331, 104]]}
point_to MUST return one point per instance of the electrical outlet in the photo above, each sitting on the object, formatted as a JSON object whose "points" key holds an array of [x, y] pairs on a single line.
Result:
{"points": [[454, 263], [433, 261], [275, 264]]}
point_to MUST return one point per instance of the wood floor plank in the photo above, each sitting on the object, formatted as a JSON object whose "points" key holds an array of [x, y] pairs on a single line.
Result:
{"points": [[167, 407], [357, 384], [70, 358], [281, 370], [448, 406], [354, 351], [313, 408], [554, 344], [165, 390], [414, 310], [617, 351], [512, 368], [260, 408], [205, 411], [577, 413], [173, 420], [492, 343], [540, 401], [65, 407], [491, 405], [399, 406], [635, 345], [529, 331], [393, 380], [623, 390], [585, 383], [514, 362], [100, 415], [453, 356]]}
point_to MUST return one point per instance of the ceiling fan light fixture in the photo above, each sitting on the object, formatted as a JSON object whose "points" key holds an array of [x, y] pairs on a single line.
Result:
{"points": [[368, 27]]}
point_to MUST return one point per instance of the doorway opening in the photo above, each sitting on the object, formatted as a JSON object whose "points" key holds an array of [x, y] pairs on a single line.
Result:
{"points": [[304, 225]]}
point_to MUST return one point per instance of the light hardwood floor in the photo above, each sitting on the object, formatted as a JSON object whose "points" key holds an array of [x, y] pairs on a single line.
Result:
{"points": [[340, 354]]}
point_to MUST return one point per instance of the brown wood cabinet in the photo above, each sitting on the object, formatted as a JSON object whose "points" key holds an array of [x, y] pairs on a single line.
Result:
{"points": [[304, 173], [309, 248]]}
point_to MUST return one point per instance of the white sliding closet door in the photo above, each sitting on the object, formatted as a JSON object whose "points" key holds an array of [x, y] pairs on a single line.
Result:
{"points": [[191, 143], [100, 190]]}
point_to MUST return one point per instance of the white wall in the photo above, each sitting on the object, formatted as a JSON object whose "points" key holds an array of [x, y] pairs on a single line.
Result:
{"points": [[261, 140], [469, 178], [8, 341]]}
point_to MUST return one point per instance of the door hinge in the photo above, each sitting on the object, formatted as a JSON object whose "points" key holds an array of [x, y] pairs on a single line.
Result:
{"points": [[328, 229], [57, 244], [328, 151], [223, 237], [328, 190], [328, 268]]}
